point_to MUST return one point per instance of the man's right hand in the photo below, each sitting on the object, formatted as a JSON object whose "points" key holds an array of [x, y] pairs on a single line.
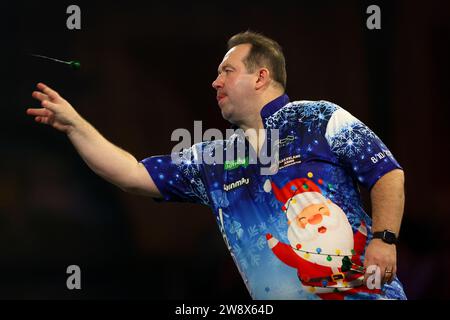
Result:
{"points": [[55, 111], [104, 158]]}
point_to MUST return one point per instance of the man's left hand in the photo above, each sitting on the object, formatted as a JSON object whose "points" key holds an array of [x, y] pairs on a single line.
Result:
{"points": [[384, 256]]}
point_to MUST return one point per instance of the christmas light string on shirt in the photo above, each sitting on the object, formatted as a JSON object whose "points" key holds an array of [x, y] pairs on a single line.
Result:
{"points": [[347, 264]]}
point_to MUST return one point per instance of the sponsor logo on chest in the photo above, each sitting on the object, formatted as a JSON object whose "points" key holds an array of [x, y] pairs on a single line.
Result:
{"points": [[287, 140], [234, 164], [236, 184], [289, 161]]}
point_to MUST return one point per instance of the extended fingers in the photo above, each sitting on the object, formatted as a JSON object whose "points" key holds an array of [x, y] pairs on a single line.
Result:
{"points": [[47, 104], [43, 120], [42, 112], [47, 97], [48, 91], [40, 115], [40, 96]]}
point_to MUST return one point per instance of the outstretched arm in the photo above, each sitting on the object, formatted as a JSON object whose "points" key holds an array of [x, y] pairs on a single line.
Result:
{"points": [[104, 158], [388, 199]]}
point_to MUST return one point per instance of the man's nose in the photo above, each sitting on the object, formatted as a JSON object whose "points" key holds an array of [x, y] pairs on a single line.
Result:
{"points": [[315, 219], [216, 84]]}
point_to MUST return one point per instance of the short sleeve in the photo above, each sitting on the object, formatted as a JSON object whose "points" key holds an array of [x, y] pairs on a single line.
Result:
{"points": [[359, 148], [180, 180]]}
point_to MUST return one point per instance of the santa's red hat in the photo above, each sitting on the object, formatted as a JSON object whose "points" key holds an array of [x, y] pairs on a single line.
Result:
{"points": [[298, 194]]}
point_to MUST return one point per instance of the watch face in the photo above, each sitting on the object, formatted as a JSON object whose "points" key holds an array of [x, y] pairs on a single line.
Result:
{"points": [[389, 237]]}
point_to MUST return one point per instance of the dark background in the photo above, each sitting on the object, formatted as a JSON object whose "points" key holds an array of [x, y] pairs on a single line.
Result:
{"points": [[147, 70]]}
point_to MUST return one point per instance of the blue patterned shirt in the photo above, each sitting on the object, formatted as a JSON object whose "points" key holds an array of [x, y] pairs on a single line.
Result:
{"points": [[324, 153]]}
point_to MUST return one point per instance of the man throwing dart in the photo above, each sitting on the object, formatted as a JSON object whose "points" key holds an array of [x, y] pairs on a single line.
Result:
{"points": [[296, 231]]}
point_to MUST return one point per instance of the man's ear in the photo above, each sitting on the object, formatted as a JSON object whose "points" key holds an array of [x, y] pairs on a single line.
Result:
{"points": [[263, 78]]}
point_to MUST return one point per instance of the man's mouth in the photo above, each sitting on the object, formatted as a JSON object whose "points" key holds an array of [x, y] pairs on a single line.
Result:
{"points": [[220, 97], [322, 229]]}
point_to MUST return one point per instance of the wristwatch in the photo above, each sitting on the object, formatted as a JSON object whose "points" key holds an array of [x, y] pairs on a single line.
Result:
{"points": [[387, 236]]}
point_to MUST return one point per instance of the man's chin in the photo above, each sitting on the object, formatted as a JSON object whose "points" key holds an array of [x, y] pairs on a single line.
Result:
{"points": [[229, 115], [226, 114]]}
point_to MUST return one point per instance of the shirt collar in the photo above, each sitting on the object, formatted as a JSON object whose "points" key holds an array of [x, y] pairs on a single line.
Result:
{"points": [[270, 108], [274, 105]]}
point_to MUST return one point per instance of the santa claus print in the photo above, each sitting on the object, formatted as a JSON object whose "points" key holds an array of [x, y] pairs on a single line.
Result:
{"points": [[322, 245]]}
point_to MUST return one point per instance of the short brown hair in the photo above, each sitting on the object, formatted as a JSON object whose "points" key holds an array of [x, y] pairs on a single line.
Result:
{"points": [[264, 52]]}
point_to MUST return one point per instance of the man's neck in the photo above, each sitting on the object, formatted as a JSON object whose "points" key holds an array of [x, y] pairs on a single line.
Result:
{"points": [[254, 120]]}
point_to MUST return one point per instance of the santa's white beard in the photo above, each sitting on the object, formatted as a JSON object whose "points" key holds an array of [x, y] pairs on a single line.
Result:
{"points": [[338, 236]]}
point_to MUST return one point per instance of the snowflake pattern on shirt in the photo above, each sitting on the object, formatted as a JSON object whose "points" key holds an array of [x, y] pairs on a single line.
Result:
{"points": [[335, 151]]}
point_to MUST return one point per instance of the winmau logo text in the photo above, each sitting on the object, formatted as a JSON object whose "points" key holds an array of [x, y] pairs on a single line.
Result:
{"points": [[236, 184]]}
